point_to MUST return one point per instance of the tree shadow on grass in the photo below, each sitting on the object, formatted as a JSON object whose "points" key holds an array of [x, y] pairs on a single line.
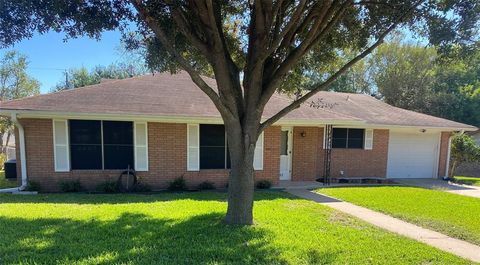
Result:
{"points": [[120, 198], [133, 239]]}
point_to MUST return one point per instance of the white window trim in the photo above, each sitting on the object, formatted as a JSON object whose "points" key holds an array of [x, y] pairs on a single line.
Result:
{"points": [[135, 145], [196, 147], [67, 145]]}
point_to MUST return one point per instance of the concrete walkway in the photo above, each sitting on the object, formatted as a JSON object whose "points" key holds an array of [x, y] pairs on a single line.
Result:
{"points": [[455, 246], [438, 184]]}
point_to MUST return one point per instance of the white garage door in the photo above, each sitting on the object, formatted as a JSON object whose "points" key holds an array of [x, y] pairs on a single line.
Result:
{"points": [[412, 154]]}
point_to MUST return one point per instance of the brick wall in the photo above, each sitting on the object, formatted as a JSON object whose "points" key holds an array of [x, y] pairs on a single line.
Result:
{"points": [[167, 152], [308, 156], [443, 154], [307, 150]]}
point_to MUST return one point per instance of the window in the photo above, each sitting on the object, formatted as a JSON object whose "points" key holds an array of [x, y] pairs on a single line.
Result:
{"points": [[85, 144], [207, 148], [213, 147], [284, 143], [348, 138], [90, 149], [117, 144]]}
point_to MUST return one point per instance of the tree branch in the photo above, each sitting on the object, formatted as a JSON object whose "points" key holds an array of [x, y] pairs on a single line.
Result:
{"points": [[322, 86], [196, 78]]}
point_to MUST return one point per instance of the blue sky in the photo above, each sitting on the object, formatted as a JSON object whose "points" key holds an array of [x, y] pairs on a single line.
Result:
{"points": [[49, 55]]}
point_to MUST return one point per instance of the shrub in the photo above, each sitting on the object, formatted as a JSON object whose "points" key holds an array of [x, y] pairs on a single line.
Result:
{"points": [[206, 185], [179, 184], [140, 187], [463, 149], [263, 184], [71, 186], [32, 186], [108, 186], [3, 159]]}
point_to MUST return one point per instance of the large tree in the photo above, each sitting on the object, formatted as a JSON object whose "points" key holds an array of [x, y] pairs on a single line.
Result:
{"points": [[14, 83], [253, 48]]}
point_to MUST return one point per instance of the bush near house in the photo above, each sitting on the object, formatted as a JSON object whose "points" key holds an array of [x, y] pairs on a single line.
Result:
{"points": [[71, 186], [179, 184]]}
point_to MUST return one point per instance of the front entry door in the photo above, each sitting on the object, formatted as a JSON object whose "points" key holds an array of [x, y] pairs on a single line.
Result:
{"points": [[286, 154]]}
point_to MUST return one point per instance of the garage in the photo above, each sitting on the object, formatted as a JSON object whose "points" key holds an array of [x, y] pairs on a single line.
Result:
{"points": [[412, 154]]}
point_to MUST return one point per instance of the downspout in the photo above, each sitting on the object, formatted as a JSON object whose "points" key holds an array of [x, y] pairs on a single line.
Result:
{"points": [[23, 159]]}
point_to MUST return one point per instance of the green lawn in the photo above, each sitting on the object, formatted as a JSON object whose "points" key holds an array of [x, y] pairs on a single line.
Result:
{"points": [[467, 180], [4, 183], [452, 214], [187, 228]]}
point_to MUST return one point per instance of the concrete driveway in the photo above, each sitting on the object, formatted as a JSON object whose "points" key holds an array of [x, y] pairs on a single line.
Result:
{"points": [[438, 184]]}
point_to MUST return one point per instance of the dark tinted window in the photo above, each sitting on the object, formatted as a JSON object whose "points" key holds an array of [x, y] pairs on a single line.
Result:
{"points": [[212, 146], [339, 138], [348, 138], [85, 144], [355, 138], [118, 144]]}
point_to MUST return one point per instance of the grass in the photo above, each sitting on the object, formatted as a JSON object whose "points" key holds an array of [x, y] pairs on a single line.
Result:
{"points": [[451, 214], [467, 180], [187, 228], [4, 183]]}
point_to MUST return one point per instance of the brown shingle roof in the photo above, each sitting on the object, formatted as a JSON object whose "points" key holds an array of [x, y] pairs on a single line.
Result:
{"points": [[177, 96]]}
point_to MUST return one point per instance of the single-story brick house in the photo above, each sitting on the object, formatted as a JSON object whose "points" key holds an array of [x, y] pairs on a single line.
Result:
{"points": [[165, 127]]}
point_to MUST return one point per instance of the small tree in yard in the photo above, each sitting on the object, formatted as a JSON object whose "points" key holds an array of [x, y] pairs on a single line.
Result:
{"points": [[463, 149], [253, 49]]}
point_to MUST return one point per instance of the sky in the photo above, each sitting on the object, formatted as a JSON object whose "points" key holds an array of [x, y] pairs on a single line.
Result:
{"points": [[49, 56]]}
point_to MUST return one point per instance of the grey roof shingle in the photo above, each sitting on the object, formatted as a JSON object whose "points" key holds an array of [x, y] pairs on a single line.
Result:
{"points": [[177, 96]]}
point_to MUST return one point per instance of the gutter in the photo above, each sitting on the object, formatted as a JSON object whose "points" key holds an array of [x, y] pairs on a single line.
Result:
{"points": [[23, 159]]}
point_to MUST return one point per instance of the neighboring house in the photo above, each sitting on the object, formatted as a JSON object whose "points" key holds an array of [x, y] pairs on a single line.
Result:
{"points": [[165, 127]]}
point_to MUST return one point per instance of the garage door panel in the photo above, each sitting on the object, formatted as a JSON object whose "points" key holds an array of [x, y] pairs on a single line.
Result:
{"points": [[412, 155]]}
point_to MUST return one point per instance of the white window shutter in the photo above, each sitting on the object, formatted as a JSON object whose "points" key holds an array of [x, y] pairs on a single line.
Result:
{"points": [[258, 157], [141, 146], [61, 150], [193, 147], [368, 139]]}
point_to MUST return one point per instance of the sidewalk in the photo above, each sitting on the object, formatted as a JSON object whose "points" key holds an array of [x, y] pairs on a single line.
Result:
{"points": [[455, 246]]}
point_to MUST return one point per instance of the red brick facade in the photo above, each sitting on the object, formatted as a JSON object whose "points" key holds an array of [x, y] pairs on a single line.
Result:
{"points": [[308, 156], [167, 152], [443, 153]]}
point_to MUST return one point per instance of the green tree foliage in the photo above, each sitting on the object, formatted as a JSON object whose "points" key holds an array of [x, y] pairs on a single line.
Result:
{"points": [[80, 77], [463, 149], [253, 48], [420, 79], [404, 74], [14, 83]]}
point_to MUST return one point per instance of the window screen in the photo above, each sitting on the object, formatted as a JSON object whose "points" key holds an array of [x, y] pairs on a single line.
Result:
{"points": [[348, 138], [212, 146], [85, 144], [118, 144]]}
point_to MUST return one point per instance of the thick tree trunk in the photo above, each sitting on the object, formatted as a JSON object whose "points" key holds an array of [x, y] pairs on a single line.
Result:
{"points": [[241, 180]]}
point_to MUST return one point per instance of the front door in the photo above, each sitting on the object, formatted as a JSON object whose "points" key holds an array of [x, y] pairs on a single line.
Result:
{"points": [[286, 153]]}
